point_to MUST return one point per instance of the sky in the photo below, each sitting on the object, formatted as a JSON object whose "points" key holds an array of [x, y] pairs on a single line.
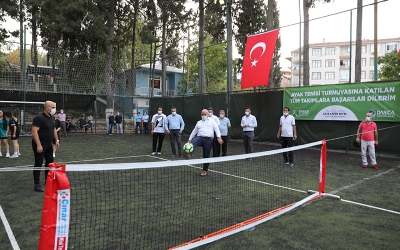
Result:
{"points": [[335, 28]]}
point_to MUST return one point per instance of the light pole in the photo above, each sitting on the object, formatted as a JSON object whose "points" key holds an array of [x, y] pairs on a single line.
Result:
{"points": [[229, 51]]}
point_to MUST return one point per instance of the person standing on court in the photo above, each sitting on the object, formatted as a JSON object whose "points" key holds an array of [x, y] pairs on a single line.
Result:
{"points": [[287, 133], [174, 127], [63, 118], [138, 123], [3, 133], [14, 130], [158, 125], [248, 123], [145, 120], [111, 121], [90, 122], [203, 135], [224, 126], [215, 143], [118, 123], [368, 132], [43, 135]]}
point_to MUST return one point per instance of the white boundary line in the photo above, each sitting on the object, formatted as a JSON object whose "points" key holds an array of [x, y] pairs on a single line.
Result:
{"points": [[365, 205], [8, 230]]}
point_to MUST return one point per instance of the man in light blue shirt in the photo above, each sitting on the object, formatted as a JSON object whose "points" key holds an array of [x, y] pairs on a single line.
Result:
{"points": [[224, 125], [138, 123], [174, 127]]}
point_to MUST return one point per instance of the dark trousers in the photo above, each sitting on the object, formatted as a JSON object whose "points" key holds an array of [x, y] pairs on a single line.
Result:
{"points": [[90, 126], [175, 136], [287, 142], [64, 128], [215, 145], [160, 138], [224, 146], [206, 144], [138, 124], [248, 141], [47, 153], [146, 127]]}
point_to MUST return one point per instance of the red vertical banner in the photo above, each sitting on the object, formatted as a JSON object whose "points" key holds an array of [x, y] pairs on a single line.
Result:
{"points": [[322, 170], [56, 210], [258, 59]]}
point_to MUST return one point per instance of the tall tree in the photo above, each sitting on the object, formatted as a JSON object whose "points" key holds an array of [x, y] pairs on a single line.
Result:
{"points": [[358, 41], [389, 66], [276, 74], [8, 8]]}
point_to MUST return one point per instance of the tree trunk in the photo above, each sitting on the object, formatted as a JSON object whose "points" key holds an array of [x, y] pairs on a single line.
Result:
{"points": [[109, 46], [133, 67], [270, 26], [163, 55], [306, 48], [202, 85], [21, 39], [358, 42]]}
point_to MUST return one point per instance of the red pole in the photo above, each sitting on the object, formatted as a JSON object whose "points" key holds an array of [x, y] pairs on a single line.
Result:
{"points": [[322, 170]]}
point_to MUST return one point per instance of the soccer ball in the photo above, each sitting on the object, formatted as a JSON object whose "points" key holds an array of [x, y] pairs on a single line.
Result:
{"points": [[188, 148]]}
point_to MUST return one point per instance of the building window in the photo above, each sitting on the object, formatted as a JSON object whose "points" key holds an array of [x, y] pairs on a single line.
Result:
{"points": [[295, 67], [316, 63], [362, 74], [316, 75], [296, 56], [330, 63], [344, 75], [344, 63], [391, 46], [295, 78], [363, 61], [371, 61], [317, 52], [330, 51], [364, 49], [371, 74], [372, 48], [329, 75], [345, 50]]}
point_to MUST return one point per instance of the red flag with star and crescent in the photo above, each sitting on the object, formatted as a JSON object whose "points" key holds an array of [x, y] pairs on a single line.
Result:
{"points": [[258, 59]]}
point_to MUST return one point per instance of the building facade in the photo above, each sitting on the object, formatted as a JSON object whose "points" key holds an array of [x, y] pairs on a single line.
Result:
{"points": [[334, 62]]}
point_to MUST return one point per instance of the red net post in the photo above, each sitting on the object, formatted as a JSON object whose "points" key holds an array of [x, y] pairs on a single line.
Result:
{"points": [[322, 170]]}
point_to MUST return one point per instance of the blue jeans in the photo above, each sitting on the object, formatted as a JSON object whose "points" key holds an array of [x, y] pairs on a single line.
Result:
{"points": [[110, 128], [206, 144]]}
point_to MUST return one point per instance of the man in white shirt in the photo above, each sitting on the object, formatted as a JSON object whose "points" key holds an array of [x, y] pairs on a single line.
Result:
{"points": [[202, 135], [248, 123], [224, 126], [158, 125], [216, 119], [145, 120], [287, 133]]}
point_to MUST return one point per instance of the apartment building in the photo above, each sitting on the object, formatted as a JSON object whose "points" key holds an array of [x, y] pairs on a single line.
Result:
{"points": [[330, 61]]}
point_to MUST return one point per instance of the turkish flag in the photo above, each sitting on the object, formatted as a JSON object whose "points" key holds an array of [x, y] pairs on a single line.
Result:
{"points": [[258, 59], [398, 52]]}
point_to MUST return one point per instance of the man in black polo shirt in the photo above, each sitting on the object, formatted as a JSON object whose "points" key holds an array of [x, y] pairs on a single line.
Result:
{"points": [[43, 135]]}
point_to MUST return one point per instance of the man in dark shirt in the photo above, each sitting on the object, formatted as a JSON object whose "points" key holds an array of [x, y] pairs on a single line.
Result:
{"points": [[43, 135], [111, 120], [118, 123]]}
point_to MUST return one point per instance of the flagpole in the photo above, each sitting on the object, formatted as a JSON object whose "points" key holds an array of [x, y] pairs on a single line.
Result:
{"points": [[229, 53], [300, 62]]}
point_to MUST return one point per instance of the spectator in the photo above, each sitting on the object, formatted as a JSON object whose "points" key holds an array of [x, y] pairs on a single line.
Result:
{"points": [[286, 133], [174, 127], [14, 129], [158, 124], [57, 125], [224, 126], [90, 122], [3, 133], [215, 143], [118, 123], [43, 134], [71, 124], [368, 131], [111, 121], [138, 123], [145, 120], [83, 124], [248, 123], [63, 121], [202, 135]]}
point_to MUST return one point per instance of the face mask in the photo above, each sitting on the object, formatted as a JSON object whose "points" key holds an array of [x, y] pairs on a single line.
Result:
{"points": [[221, 115], [285, 113], [173, 113], [210, 114], [247, 113], [159, 112], [204, 117], [52, 111], [368, 118], [62, 112]]}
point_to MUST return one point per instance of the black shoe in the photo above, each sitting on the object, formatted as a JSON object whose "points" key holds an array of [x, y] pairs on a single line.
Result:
{"points": [[180, 156], [38, 188], [173, 155]]}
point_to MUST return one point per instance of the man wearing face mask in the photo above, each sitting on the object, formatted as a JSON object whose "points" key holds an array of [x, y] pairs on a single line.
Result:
{"points": [[174, 127], [287, 133], [63, 118], [118, 123], [158, 125], [368, 131], [43, 135], [224, 125], [215, 142], [202, 135], [248, 123]]}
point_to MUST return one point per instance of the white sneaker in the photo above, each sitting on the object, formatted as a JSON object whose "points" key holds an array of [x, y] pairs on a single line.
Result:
{"points": [[1, 154], [15, 155], [19, 154], [154, 153], [159, 153], [54, 155], [8, 155]]}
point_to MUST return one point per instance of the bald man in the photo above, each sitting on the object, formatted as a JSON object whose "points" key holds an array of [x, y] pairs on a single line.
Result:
{"points": [[203, 135], [368, 131], [44, 134]]}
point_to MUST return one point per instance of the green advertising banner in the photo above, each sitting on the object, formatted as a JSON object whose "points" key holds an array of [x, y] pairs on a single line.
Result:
{"points": [[345, 102]]}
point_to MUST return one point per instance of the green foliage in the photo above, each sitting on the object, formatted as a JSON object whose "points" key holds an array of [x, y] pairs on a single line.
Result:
{"points": [[7, 8], [389, 66]]}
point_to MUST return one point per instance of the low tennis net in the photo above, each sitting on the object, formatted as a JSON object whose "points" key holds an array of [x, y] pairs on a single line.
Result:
{"points": [[168, 205]]}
